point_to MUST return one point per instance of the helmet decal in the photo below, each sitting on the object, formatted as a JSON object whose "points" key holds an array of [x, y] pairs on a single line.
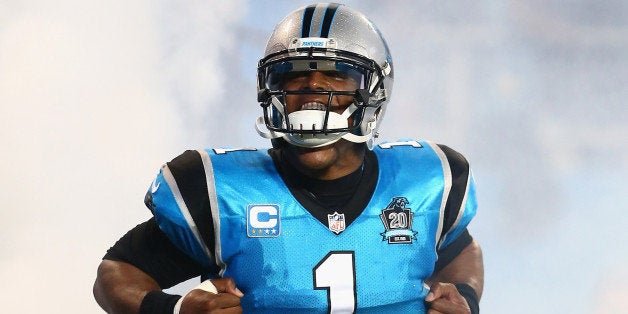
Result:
{"points": [[307, 20], [329, 16]]}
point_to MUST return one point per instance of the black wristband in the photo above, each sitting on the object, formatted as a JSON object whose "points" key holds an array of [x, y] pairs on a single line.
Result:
{"points": [[470, 295], [158, 302]]}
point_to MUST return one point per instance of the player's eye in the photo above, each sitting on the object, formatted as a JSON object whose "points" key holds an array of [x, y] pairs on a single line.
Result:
{"points": [[295, 75], [336, 74]]}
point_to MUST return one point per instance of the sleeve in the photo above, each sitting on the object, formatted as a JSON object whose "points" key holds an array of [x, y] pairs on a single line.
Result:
{"points": [[179, 200], [461, 204], [148, 249], [460, 208]]}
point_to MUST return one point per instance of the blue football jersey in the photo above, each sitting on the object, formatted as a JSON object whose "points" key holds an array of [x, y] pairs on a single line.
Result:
{"points": [[285, 260]]}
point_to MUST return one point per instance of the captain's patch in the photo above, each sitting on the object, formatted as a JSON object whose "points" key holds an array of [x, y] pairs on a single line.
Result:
{"points": [[262, 221]]}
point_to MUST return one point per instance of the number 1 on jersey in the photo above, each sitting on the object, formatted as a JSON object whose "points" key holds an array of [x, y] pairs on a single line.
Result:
{"points": [[336, 274]]}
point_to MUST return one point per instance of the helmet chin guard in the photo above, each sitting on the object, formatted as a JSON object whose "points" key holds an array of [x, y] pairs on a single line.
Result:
{"points": [[308, 128]]}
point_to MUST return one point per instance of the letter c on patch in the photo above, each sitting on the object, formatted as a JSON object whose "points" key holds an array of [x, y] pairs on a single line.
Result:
{"points": [[263, 216]]}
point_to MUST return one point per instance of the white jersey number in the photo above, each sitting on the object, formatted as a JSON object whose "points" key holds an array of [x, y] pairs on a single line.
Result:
{"points": [[336, 274], [414, 144], [221, 151]]}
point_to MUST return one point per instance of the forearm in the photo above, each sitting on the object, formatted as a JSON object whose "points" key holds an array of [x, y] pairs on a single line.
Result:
{"points": [[467, 267], [120, 287]]}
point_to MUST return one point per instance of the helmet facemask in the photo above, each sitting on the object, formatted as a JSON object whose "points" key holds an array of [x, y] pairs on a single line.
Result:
{"points": [[319, 124]]}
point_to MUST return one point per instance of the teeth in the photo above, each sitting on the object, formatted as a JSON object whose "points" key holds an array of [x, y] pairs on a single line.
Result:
{"points": [[313, 106]]}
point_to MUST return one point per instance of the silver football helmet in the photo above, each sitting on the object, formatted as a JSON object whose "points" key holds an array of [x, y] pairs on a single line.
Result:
{"points": [[329, 38]]}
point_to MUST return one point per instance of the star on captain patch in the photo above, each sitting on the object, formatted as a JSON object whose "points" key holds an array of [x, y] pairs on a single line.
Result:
{"points": [[336, 222], [397, 220]]}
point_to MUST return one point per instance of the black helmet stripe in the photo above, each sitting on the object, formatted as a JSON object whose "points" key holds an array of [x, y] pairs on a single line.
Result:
{"points": [[308, 16], [329, 16], [307, 21]]}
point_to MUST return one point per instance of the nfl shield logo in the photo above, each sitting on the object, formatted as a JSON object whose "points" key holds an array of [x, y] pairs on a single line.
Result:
{"points": [[336, 222]]}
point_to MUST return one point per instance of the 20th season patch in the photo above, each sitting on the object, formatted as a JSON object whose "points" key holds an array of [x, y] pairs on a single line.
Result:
{"points": [[397, 220]]}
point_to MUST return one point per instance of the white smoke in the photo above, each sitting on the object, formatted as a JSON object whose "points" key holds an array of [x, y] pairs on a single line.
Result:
{"points": [[95, 96], [87, 116]]}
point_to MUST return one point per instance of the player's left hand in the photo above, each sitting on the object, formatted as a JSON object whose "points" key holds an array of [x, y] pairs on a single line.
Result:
{"points": [[444, 298]]}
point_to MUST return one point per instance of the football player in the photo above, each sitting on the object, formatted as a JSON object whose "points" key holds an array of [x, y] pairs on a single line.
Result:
{"points": [[325, 221]]}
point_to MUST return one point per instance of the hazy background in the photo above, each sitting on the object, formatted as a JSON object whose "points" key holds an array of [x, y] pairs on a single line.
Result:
{"points": [[96, 95]]}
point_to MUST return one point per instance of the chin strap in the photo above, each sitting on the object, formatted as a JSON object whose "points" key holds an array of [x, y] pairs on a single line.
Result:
{"points": [[268, 134], [311, 140]]}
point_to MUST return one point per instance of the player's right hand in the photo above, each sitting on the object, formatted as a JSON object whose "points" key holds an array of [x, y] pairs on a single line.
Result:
{"points": [[444, 298], [226, 301]]}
